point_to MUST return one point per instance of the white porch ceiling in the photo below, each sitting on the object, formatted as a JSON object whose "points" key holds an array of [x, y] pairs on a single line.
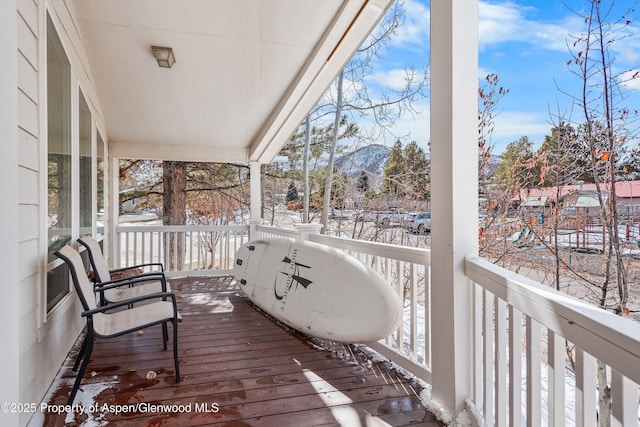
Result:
{"points": [[246, 74]]}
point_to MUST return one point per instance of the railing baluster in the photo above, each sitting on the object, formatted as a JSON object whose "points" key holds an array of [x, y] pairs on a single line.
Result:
{"points": [[427, 315], [624, 405], [515, 366], [586, 400], [488, 362], [478, 346], [160, 249], [142, 250], [199, 251], [534, 373], [193, 252], [556, 373], [216, 255], [502, 397], [135, 249], [227, 248], [413, 311], [399, 285], [151, 246], [126, 262]]}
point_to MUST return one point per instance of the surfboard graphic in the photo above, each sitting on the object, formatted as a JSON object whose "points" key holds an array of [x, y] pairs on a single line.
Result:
{"points": [[317, 290]]}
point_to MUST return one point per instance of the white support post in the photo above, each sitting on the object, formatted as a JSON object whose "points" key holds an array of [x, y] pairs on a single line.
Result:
{"points": [[454, 194], [305, 229], [10, 212], [256, 198], [111, 244]]}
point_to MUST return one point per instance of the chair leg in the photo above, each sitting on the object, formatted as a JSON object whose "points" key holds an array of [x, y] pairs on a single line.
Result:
{"points": [[83, 349], [165, 335], [83, 367], [175, 349]]}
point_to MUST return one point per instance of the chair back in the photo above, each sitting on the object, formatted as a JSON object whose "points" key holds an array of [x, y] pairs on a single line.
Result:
{"points": [[98, 262], [81, 283]]}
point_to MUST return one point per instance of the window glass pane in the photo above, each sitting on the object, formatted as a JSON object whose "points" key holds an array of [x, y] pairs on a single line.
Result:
{"points": [[86, 175], [100, 159], [59, 158]]}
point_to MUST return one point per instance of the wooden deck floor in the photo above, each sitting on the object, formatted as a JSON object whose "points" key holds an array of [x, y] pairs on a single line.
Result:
{"points": [[239, 368]]}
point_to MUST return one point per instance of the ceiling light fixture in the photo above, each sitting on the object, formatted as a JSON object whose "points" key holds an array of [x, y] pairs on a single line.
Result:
{"points": [[164, 55]]}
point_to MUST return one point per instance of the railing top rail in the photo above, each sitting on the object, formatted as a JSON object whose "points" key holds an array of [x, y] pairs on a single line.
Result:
{"points": [[386, 250], [175, 228], [277, 230], [610, 338]]}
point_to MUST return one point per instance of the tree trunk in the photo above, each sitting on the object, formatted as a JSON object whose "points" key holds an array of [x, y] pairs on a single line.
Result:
{"points": [[604, 397], [334, 140], [174, 211], [305, 171]]}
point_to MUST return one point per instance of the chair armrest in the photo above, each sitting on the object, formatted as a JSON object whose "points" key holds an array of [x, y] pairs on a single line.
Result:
{"points": [[146, 277], [111, 306]]}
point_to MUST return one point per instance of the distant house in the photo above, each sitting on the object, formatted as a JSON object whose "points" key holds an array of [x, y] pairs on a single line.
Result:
{"points": [[583, 195], [586, 201]]}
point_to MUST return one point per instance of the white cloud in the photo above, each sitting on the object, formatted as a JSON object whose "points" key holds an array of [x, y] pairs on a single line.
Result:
{"points": [[507, 22], [511, 125], [414, 32], [630, 79], [395, 79], [499, 22]]}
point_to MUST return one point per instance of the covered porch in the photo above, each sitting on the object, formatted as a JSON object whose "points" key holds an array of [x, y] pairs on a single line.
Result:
{"points": [[493, 347]]}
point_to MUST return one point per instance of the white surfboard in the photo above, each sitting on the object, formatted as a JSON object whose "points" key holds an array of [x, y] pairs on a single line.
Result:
{"points": [[317, 290]]}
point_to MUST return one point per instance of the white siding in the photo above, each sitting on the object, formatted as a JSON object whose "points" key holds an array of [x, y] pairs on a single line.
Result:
{"points": [[27, 114], [28, 186], [9, 356], [28, 78], [27, 40], [28, 10], [28, 217], [28, 150], [29, 260], [41, 345]]}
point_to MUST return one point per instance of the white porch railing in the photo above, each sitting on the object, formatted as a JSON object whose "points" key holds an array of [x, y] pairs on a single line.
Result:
{"points": [[208, 249], [525, 334], [529, 335], [407, 270]]}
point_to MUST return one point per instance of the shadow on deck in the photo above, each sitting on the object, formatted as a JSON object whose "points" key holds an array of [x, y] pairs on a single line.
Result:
{"points": [[239, 368]]}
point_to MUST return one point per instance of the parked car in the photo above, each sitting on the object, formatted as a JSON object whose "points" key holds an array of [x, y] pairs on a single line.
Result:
{"points": [[386, 218], [417, 222], [364, 216]]}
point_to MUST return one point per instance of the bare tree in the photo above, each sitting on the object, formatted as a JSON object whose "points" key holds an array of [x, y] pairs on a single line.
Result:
{"points": [[385, 107], [606, 128], [608, 123]]}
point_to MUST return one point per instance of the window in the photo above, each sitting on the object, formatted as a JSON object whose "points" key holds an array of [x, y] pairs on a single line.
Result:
{"points": [[59, 161], [100, 163], [86, 175]]}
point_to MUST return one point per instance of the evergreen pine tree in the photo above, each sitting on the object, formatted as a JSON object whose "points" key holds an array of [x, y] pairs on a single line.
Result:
{"points": [[292, 193], [393, 171], [363, 182], [416, 170]]}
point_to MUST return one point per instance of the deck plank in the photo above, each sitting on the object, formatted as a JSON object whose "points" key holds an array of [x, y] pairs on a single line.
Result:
{"points": [[238, 364]]}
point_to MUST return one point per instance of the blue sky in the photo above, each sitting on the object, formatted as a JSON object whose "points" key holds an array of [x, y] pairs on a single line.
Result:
{"points": [[525, 43]]}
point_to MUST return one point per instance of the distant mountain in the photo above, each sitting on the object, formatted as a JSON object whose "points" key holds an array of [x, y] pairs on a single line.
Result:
{"points": [[492, 164], [370, 158]]}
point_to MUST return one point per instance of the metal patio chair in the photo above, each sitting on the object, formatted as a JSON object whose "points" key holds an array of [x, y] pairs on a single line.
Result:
{"points": [[141, 283], [115, 319]]}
